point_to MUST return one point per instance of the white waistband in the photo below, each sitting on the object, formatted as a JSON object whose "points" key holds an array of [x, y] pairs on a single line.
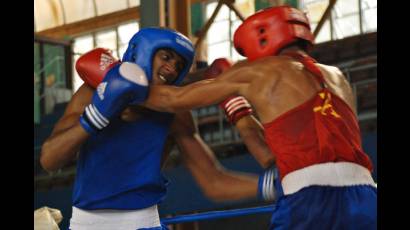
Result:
{"points": [[327, 174], [114, 219]]}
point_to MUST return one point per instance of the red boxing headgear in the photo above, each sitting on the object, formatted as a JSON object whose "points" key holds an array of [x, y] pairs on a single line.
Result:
{"points": [[268, 31]]}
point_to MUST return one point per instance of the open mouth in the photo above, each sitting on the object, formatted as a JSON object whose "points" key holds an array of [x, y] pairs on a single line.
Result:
{"points": [[162, 78], [166, 78]]}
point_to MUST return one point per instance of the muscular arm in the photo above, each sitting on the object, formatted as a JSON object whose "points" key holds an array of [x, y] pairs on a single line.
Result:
{"points": [[202, 93], [215, 181], [67, 136], [251, 132]]}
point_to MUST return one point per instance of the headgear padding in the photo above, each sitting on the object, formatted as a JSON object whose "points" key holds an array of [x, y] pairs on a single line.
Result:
{"points": [[144, 44], [268, 31]]}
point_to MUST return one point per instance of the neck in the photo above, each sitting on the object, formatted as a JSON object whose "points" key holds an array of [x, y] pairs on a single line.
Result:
{"points": [[291, 49]]}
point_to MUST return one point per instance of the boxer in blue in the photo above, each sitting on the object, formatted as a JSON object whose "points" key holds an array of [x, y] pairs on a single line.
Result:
{"points": [[119, 145]]}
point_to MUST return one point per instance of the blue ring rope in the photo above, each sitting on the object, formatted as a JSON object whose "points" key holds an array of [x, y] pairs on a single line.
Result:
{"points": [[217, 214]]}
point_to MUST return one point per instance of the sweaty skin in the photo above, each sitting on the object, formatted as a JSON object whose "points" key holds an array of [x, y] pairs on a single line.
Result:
{"points": [[273, 85]]}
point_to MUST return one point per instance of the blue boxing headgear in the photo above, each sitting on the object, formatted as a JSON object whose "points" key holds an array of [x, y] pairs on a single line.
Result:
{"points": [[144, 44]]}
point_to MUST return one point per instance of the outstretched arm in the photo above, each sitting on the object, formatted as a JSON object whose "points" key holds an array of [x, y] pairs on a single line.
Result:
{"points": [[199, 94], [177, 99]]}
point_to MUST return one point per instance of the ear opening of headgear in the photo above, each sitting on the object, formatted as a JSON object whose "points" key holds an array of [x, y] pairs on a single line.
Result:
{"points": [[268, 31], [146, 42]]}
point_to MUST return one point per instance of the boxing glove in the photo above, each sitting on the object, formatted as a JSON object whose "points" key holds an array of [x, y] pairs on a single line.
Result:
{"points": [[94, 65], [124, 84], [217, 67], [235, 107]]}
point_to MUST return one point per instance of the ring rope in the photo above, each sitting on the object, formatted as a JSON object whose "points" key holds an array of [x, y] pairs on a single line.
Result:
{"points": [[217, 214]]}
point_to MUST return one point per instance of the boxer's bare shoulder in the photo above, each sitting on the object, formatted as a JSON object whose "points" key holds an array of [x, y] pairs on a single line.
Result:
{"points": [[332, 74], [338, 83]]}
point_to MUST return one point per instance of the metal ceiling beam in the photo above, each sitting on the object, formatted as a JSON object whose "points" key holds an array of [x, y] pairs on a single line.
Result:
{"points": [[204, 30], [231, 6], [324, 17], [92, 24], [208, 24]]}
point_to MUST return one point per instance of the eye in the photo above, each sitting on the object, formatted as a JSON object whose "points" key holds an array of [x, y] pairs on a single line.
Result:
{"points": [[166, 57]]}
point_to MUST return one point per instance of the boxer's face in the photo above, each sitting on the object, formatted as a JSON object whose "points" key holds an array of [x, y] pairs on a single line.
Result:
{"points": [[167, 65]]}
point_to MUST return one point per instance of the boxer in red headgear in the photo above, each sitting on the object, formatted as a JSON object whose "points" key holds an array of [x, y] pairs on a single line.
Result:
{"points": [[309, 120]]}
